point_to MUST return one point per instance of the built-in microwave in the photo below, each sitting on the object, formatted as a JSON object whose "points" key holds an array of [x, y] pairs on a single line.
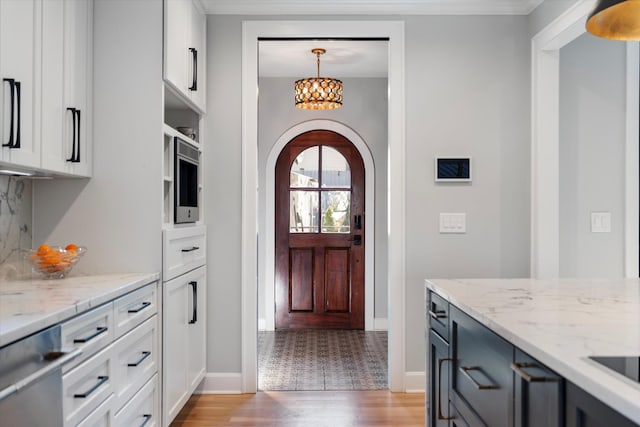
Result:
{"points": [[187, 160]]}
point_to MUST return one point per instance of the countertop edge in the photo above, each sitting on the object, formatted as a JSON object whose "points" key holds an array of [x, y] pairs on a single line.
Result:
{"points": [[622, 397]]}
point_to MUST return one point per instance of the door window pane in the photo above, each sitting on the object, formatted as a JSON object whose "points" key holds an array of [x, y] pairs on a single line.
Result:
{"points": [[335, 169], [303, 211], [304, 171], [336, 215]]}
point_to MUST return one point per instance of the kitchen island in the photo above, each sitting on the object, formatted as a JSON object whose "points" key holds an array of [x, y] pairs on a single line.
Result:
{"points": [[560, 323]]}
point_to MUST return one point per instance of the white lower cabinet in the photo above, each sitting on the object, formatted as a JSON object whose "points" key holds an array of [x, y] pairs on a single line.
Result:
{"points": [[143, 410], [117, 382], [184, 344]]}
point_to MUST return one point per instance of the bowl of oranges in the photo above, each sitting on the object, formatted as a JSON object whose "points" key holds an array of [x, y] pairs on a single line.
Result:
{"points": [[54, 262]]}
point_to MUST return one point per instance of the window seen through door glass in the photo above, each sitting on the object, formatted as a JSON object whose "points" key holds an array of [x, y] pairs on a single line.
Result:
{"points": [[304, 171], [325, 203]]}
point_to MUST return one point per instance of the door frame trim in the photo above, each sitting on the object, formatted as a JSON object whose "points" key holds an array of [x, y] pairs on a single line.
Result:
{"points": [[268, 239], [252, 31]]}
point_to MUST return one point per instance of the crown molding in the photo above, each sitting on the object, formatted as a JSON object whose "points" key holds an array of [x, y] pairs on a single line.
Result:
{"points": [[370, 7]]}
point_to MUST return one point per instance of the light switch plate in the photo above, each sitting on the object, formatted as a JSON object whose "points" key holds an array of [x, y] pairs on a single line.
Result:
{"points": [[453, 223], [601, 222]]}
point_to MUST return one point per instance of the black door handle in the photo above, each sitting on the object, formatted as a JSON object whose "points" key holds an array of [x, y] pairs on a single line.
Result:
{"points": [[194, 314], [357, 240], [77, 158], [357, 221], [194, 80], [18, 99], [12, 84], [73, 141]]}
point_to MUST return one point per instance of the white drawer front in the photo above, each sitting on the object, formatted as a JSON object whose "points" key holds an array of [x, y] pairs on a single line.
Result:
{"points": [[102, 416], [134, 308], [144, 409], [183, 250], [135, 358], [87, 386], [90, 331]]}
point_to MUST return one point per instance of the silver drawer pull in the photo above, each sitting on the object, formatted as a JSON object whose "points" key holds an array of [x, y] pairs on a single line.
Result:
{"points": [[139, 309], [193, 248], [101, 380], [145, 354], [518, 368], [438, 314], [146, 417], [99, 331], [465, 370], [57, 360]]}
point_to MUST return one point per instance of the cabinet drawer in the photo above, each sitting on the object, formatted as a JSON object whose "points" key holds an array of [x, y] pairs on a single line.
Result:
{"points": [[438, 314], [87, 386], [481, 376], [183, 250], [102, 416], [91, 331], [134, 308], [144, 409], [135, 358]]}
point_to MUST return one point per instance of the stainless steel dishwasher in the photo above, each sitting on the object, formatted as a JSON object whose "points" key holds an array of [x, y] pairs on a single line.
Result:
{"points": [[31, 380]]}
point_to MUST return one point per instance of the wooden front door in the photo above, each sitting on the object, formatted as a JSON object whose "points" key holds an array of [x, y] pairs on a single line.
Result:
{"points": [[319, 227]]}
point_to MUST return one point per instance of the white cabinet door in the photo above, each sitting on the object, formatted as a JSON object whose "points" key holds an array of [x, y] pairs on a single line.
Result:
{"points": [[66, 66], [174, 343], [184, 343], [196, 331], [20, 25], [184, 50]]}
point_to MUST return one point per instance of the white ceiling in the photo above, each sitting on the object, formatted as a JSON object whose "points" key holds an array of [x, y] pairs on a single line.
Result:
{"points": [[344, 58], [370, 7]]}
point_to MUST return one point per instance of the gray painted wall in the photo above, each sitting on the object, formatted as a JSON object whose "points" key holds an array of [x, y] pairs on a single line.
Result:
{"points": [[365, 111], [592, 149], [467, 84]]}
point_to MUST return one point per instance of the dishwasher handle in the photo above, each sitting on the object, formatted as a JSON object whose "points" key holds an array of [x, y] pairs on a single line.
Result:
{"points": [[58, 360]]}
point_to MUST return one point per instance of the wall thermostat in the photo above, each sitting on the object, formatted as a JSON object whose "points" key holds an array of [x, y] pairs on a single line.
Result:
{"points": [[453, 169]]}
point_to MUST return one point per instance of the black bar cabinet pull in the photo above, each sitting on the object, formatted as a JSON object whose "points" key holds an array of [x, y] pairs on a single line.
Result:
{"points": [[77, 159], [101, 380], [144, 305], [146, 417], [99, 331], [16, 144], [194, 81], [441, 416], [12, 83], [145, 354], [194, 315], [73, 141], [193, 248]]}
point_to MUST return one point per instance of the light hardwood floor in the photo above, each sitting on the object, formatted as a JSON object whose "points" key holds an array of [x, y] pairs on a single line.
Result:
{"points": [[304, 408]]}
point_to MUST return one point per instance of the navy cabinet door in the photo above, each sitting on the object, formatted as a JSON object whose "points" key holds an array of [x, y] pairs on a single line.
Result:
{"points": [[584, 410], [438, 395]]}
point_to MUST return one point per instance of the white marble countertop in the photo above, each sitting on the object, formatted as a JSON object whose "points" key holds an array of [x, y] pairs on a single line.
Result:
{"points": [[561, 323], [27, 306]]}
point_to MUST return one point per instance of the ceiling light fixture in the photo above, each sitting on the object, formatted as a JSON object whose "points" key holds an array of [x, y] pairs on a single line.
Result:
{"points": [[318, 93], [615, 19]]}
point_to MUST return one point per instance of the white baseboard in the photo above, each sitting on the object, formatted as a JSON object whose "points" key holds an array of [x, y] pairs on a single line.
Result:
{"points": [[220, 383], [380, 324], [415, 382]]}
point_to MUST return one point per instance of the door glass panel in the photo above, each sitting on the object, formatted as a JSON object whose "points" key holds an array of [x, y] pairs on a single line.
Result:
{"points": [[336, 207], [303, 212], [304, 171], [335, 169]]}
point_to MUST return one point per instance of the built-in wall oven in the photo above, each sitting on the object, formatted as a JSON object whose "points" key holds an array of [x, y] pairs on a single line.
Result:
{"points": [[186, 165]]}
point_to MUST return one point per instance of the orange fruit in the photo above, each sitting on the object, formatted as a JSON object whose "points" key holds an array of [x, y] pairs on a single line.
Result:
{"points": [[72, 247], [43, 249]]}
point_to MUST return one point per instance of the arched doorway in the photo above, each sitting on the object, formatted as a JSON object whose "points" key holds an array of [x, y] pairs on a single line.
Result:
{"points": [[320, 225]]}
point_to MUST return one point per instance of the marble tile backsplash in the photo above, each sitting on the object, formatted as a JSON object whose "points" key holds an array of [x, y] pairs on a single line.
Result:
{"points": [[15, 224]]}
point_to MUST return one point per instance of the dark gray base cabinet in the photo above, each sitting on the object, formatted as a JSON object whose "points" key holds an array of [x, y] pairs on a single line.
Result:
{"points": [[584, 410]]}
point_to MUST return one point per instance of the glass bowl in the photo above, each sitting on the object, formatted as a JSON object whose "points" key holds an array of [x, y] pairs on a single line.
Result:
{"points": [[54, 262]]}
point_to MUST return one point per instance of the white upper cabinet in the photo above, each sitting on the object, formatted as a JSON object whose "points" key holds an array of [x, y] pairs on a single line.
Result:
{"points": [[185, 50], [19, 36], [66, 70]]}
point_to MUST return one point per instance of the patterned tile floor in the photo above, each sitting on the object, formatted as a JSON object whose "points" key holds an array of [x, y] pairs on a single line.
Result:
{"points": [[322, 360]]}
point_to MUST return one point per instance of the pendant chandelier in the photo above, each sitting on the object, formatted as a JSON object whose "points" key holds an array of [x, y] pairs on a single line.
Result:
{"points": [[318, 93], [615, 19]]}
